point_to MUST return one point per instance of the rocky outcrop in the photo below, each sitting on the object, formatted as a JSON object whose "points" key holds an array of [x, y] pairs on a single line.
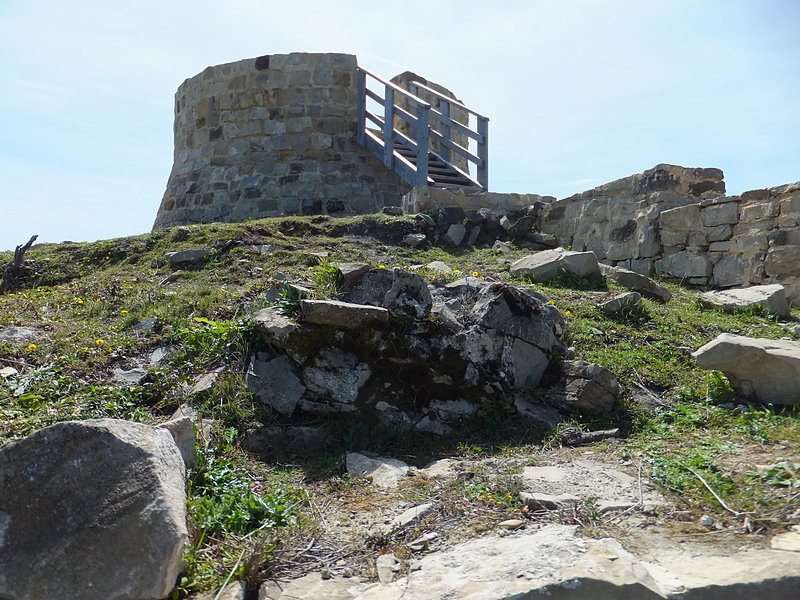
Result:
{"points": [[407, 354], [636, 282], [91, 510], [759, 369]]}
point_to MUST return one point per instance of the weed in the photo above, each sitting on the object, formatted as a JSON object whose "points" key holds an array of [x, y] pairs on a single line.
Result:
{"points": [[327, 279], [290, 300]]}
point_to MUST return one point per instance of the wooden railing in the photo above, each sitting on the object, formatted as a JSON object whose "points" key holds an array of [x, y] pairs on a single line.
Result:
{"points": [[381, 140]]}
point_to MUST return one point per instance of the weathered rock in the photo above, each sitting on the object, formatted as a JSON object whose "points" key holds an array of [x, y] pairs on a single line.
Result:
{"points": [[385, 472], [337, 375], [182, 431], [538, 414], [129, 377], [449, 215], [187, 257], [342, 314], [528, 363], [683, 218], [730, 270], [235, 590], [414, 239], [520, 227], [97, 507], [501, 247], [396, 211], [621, 302], [385, 565], [274, 383], [782, 262], [474, 232], [412, 515], [203, 384], [371, 288], [455, 234], [771, 297], [148, 324], [536, 501], [433, 426], [548, 264], [438, 265], [352, 273], [761, 369], [276, 328], [636, 282], [18, 336], [409, 293], [581, 385], [523, 314]]}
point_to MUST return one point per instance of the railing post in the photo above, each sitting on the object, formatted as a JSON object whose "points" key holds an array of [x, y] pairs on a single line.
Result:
{"points": [[482, 174], [444, 151], [423, 116], [362, 107], [388, 127]]}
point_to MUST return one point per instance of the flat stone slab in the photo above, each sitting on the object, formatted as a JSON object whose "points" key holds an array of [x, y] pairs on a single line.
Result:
{"points": [[342, 314], [187, 257], [274, 383], [548, 264], [637, 282], [771, 297], [760, 369]]}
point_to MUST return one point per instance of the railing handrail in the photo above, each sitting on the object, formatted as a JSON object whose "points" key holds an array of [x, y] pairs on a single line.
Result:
{"points": [[384, 148], [419, 101], [450, 101]]}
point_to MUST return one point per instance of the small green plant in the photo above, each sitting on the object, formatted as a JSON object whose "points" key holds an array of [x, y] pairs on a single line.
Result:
{"points": [[222, 500], [783, 473], [209, 340], [327, 279], [290, 300]]}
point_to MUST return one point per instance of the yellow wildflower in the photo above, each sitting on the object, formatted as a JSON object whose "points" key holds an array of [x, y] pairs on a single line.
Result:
{"points": [[456, 271], [475, 273], [99, 342], [567, 312], [124, 312], [31, 346]]}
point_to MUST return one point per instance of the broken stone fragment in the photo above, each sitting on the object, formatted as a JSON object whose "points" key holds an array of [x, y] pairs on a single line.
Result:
{"points": [[337, 375], [621, 302], [636, 282], [275, 328], [760, 369], [581, 385], [274, 383], [385, 472], [187, 257], [455, 234]]}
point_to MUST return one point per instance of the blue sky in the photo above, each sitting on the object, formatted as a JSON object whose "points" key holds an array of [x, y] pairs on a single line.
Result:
{"points": [[579, 92]]}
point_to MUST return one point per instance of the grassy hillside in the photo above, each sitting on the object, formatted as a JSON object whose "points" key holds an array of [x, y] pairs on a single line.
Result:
{"points": [[681, 425]]}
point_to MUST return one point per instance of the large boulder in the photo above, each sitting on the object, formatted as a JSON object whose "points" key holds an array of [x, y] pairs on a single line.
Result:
{"points": [[771, 297], [760, 369], [548, 264], [91, 510]]}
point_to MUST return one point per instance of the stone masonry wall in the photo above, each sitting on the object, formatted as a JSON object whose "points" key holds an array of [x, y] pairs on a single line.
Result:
{"points": [[750, 239], [677, 223], [422, 199], [270, 136]]}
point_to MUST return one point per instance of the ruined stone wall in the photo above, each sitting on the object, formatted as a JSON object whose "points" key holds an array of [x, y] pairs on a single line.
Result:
{"points": [[677, 223], [422, 199], [732, 241], [270, 136]]}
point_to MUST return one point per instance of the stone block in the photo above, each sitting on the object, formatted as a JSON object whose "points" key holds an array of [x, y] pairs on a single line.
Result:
{"points": [[742, 244], [721, 214], [684, 264], [719, 233], [674, 238], [298, 124], [697, 238], [684, 218], [759, 211], [719, 246], [790, 204], [729, 271], [783, 262]]}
